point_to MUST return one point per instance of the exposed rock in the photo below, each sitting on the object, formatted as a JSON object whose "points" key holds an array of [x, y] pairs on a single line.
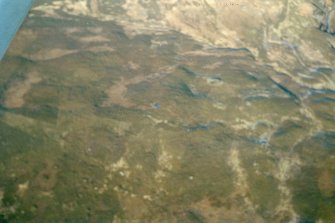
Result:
{"points": [[281, 33]]}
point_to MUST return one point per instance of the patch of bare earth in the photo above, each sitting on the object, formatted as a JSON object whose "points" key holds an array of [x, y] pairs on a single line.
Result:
{"points": [[14, 96], [117, 93]]}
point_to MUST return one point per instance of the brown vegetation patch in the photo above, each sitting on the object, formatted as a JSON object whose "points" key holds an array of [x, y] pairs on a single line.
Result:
{"points": [[46, 179], [326, 183]]}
